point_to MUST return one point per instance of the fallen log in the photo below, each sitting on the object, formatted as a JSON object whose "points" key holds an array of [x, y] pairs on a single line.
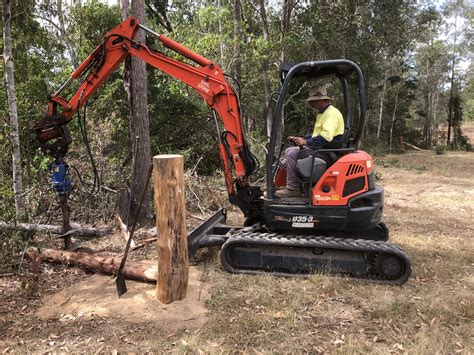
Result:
{"points": [[411, 146], [139, 271], [80, 231]]}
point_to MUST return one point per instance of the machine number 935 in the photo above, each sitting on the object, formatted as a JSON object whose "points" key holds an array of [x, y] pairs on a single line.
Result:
{"points": [[303, 219]]}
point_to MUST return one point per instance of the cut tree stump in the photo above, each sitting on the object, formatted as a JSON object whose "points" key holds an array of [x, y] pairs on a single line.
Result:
{"points": [[173, 270], [139, 271]]}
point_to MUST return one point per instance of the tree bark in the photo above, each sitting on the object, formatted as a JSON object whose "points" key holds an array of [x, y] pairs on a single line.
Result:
{"points": [[138, 271], [168, 183], [411, 146], [265, 66], [382, 97], [86, 232], [135, 82], [394, 117], [64, 36], [237, 39], [287, 8], [451, 92], [219, 24], [13, 112]]}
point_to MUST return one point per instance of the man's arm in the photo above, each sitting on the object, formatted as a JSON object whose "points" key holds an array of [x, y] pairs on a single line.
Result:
{"points": [[317, 142]]}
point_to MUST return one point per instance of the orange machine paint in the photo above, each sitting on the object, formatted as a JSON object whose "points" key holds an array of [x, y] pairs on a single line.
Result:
{"points": [[349, 166]]}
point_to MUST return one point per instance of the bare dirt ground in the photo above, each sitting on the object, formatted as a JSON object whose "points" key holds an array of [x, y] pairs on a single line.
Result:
{"points": [[429, 209]]}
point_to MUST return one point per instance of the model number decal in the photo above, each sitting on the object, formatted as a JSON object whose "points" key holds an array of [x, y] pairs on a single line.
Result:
{"points": [[303, 219], [203, 85]]}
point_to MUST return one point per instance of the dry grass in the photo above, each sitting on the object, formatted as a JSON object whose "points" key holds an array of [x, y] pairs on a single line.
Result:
{"points": [[468, 130], [429, 209]]}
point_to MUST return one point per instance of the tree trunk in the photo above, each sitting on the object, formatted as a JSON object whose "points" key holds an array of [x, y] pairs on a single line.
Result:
{"points": [[81, 231], [265, 66], [139, 271], [451, 92], [237, 38], [140, 126], [434, 125], [382, 97], [287, 7], [135, 81], [13, 112], [237, 56], [64, 36], [393, 122], [221, 42]]}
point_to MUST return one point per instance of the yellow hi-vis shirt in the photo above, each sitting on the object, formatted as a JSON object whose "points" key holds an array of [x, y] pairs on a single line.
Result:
{"points": [[329, 124]]}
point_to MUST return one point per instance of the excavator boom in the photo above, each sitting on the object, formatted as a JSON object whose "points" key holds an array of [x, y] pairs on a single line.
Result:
{"points": [[206, 78]]}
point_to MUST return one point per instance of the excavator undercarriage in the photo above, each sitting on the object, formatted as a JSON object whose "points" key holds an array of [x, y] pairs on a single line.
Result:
{"points": [[257, 250]]}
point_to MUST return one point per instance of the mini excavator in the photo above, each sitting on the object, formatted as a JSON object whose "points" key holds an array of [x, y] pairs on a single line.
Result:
{"points": [[334, 227]]}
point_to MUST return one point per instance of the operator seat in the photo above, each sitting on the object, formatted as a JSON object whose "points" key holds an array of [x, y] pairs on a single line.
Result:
{"points": [[311, 169]]}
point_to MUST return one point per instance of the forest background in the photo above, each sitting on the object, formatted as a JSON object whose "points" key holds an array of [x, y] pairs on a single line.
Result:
{"points": [[416, 57]]}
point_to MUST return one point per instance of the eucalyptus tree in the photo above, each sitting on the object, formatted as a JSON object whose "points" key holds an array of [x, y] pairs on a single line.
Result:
{"points": [[459, 29], [431, 70], [35, 57], [135, 80], [13, 112], [53, 14]]}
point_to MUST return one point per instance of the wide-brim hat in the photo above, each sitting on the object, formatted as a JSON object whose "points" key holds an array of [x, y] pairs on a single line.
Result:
{"points": [[318, 94]]}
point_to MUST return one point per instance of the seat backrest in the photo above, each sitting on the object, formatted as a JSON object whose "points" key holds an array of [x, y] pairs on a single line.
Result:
{"points": [[311, 168], [334, 144]]}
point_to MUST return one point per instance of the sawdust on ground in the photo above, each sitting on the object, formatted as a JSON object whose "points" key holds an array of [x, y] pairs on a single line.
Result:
{"points": [[97, 296]]}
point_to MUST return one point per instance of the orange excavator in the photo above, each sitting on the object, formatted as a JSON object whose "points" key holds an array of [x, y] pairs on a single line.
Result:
{"points": [[335, 226]]}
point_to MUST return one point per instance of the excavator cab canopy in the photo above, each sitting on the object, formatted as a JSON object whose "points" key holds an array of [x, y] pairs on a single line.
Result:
{"points": [[346, 71], [340, 70]]}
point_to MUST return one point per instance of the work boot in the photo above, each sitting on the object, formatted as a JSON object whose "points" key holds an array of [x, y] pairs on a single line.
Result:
{"points": [[286, 192]]}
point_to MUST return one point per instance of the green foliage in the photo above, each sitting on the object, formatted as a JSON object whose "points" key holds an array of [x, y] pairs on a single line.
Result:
{"points": [[7, 207], [440, 149], [398, 43], [89, 22]]}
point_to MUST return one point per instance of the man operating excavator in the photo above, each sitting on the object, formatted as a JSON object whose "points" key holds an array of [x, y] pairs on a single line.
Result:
{"points": [[337, 226], [328, 130]]}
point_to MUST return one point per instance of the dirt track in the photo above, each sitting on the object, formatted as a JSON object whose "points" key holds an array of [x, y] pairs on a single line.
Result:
{"points": [[429, 209]]}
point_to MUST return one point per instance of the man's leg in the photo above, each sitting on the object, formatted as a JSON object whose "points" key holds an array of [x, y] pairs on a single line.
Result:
{"points": [[292, 181]]}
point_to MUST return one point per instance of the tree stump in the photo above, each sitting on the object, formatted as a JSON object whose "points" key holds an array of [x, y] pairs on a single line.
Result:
{"points": [[173, 263]]}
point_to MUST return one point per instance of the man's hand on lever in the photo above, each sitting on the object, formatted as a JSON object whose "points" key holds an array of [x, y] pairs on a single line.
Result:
{"points": [[297, 140]]}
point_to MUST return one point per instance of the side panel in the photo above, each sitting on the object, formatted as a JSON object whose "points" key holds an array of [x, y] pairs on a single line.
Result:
{"points": [[345, 179], [363, 212]]}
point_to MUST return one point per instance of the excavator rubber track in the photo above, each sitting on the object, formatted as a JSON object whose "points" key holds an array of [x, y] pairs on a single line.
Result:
{"points": [[247, 251]]}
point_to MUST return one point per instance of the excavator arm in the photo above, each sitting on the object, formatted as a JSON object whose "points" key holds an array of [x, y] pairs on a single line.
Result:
{"points": [[207, 78]]}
